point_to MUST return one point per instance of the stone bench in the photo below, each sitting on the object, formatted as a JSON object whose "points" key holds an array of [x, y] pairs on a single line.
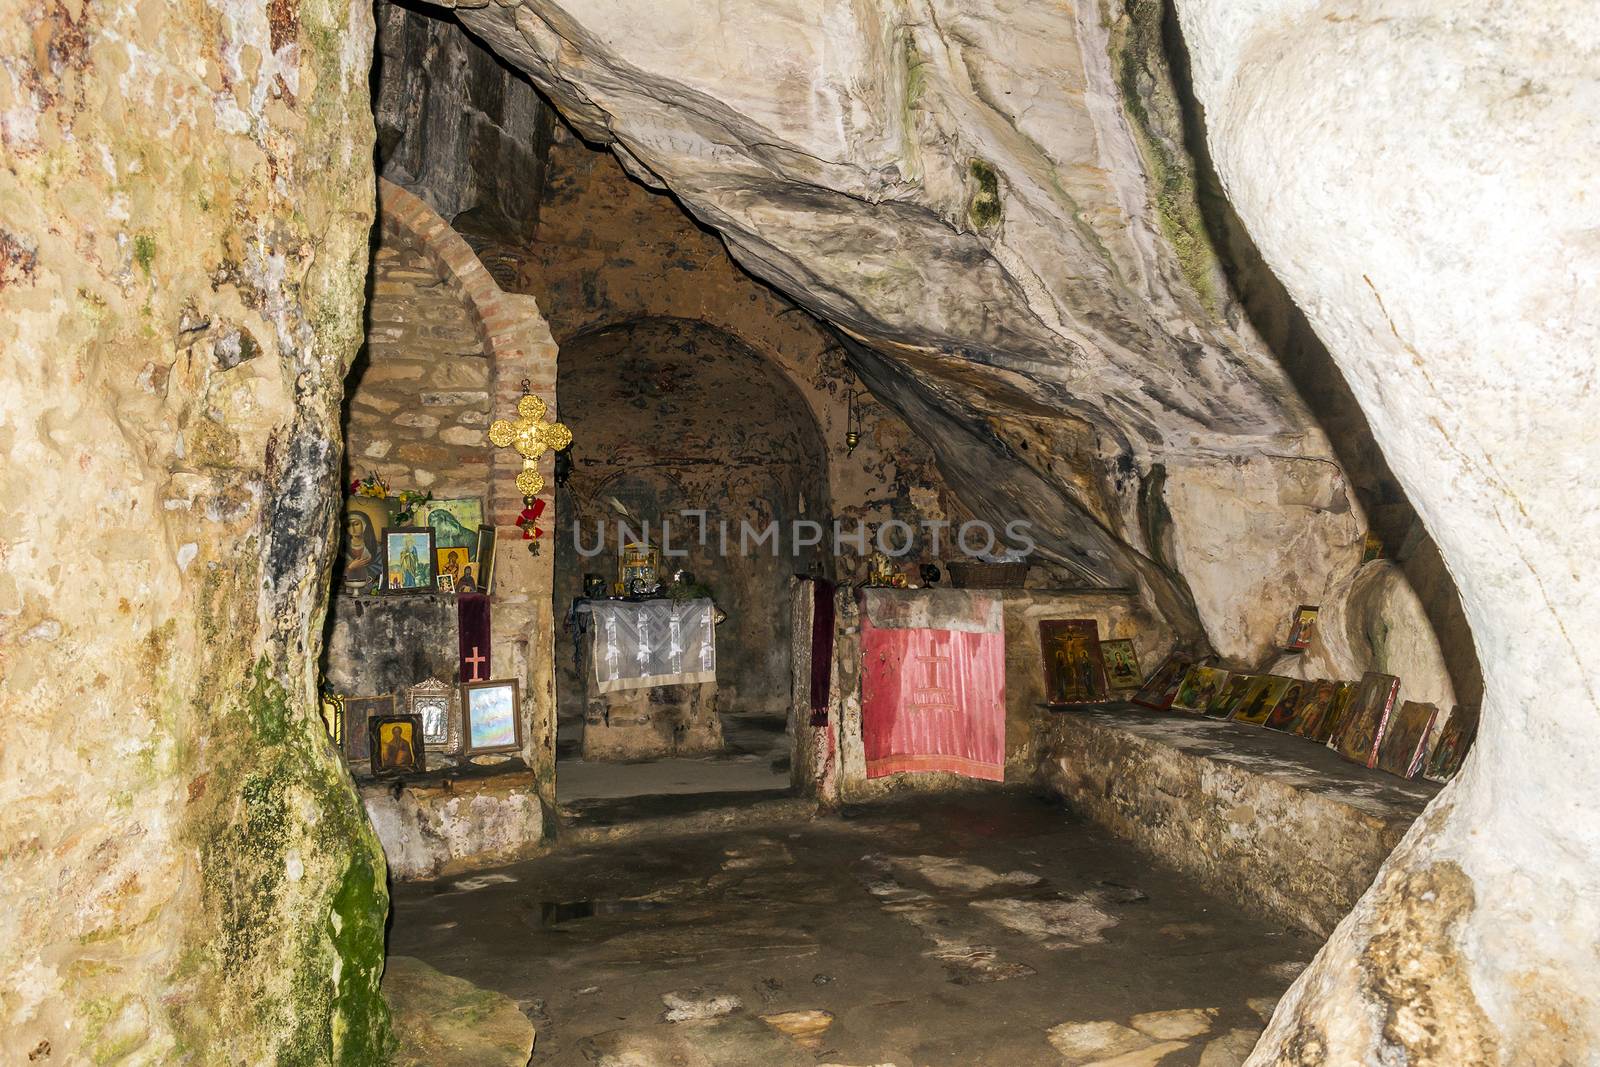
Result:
{"points": [[455, 820], [1283, 826]]}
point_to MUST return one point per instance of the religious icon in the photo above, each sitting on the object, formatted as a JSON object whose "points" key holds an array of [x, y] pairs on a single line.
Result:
{"points": [[446, 583], [333, 717], [1227, 701], [431, 702], [1261, 698], [357, 710], [455, 523], [1362, 731], [1199, 688], [408, 559], [1405, 742], [1338, 710], [1316, 706], [1122, 663], [1451, 748], [1161, 688], [1074, 668], [1301, 629], [1287, 708], [397, 745], [452, 564], [1371, 547], [491, 717], [482, 570], [639, 561], [365, 519]]}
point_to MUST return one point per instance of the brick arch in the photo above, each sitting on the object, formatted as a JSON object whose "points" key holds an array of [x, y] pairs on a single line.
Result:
{"points": [[510, 327], [517, 342]]}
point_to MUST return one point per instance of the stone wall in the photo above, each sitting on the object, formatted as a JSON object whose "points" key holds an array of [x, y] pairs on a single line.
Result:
{"points": [[185, 202], [610, 250], [418, 396]]}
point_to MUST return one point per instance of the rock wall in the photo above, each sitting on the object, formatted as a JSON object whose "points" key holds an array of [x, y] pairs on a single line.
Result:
{"points": [[186, 196], [457, 127], [418, 396], [1436, 222], [998, 212]]}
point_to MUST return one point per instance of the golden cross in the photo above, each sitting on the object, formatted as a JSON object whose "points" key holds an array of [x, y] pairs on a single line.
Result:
{"points": [[530, 435]]}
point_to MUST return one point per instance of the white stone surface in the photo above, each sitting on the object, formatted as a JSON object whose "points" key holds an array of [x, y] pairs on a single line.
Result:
{"points": [[1421, 176], [426, 833], [843, 150]]}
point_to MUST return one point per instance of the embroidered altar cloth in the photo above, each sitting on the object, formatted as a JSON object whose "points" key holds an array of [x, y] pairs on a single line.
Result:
{"points": [[639, 645]]}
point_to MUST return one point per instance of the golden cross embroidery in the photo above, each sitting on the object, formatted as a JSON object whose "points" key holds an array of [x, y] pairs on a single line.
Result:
{"points": [[530, 435]]}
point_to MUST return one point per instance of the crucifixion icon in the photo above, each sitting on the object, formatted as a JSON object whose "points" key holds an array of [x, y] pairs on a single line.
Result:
{"points": [[530, 435]]}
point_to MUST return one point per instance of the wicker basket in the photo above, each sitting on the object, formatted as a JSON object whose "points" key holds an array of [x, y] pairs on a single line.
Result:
{"points": [[975, 574]]}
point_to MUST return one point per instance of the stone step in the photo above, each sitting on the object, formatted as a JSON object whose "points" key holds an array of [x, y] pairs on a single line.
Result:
{"points": [[582, 823]]}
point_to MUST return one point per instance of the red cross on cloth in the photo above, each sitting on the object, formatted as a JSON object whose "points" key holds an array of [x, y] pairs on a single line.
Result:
{"points": [[472, 617]]}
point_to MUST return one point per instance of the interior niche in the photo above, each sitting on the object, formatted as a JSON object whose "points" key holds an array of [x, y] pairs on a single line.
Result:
{"points": [[672, 416]]}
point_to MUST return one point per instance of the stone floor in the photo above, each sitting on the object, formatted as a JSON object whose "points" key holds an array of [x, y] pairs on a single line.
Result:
{"points": [[982, 928], [757, 758]]}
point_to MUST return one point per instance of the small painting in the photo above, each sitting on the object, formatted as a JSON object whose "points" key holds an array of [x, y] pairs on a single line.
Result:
{"points": [[1338, 710], [491, 719], [1230, 696], [361, 562], [1122, 664], [1371, 547], [1314, 709], [1199, 688], [357, 710], [397, 745], [1074, 668], [480, 576], [452, 564], [408, 559], [1260, 699], [1161, 688], [1460, 730], [1362, 730], [1406, 740], [432, 702], [1288, 706], [455, 523], [1301, 628], [446, 583]]}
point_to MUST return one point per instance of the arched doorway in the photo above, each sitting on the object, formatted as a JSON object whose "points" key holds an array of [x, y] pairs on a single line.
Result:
{"points": [[679, 421]]}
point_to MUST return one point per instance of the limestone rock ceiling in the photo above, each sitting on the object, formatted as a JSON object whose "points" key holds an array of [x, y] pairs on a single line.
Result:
{"points": [[955, 179], [994, 204]]}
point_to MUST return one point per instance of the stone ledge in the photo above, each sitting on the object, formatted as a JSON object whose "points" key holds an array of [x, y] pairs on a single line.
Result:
{"points": [[1283, 826], [461, 820]]}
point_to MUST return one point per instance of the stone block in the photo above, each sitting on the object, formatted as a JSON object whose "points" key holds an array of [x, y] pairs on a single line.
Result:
{"points": [[1282, 826], [460, 398], [456, 820], [463, 436]]}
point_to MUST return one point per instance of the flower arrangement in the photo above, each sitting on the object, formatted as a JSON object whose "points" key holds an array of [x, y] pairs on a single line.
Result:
{"points": [[408, 500]]}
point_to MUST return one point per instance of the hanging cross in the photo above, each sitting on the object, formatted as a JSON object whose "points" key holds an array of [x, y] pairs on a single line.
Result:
{"points": [[530, 435], [476, 661]]}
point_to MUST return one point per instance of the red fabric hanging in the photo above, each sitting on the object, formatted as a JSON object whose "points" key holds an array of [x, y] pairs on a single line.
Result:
{"points": [[933, 700]]}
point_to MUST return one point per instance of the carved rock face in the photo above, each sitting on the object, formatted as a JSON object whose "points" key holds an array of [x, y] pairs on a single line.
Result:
{"points": [[1437, 222], [996, 207]]}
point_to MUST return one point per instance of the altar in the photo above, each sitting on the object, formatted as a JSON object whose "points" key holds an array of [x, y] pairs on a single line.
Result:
{"points": [[650, 678]]}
